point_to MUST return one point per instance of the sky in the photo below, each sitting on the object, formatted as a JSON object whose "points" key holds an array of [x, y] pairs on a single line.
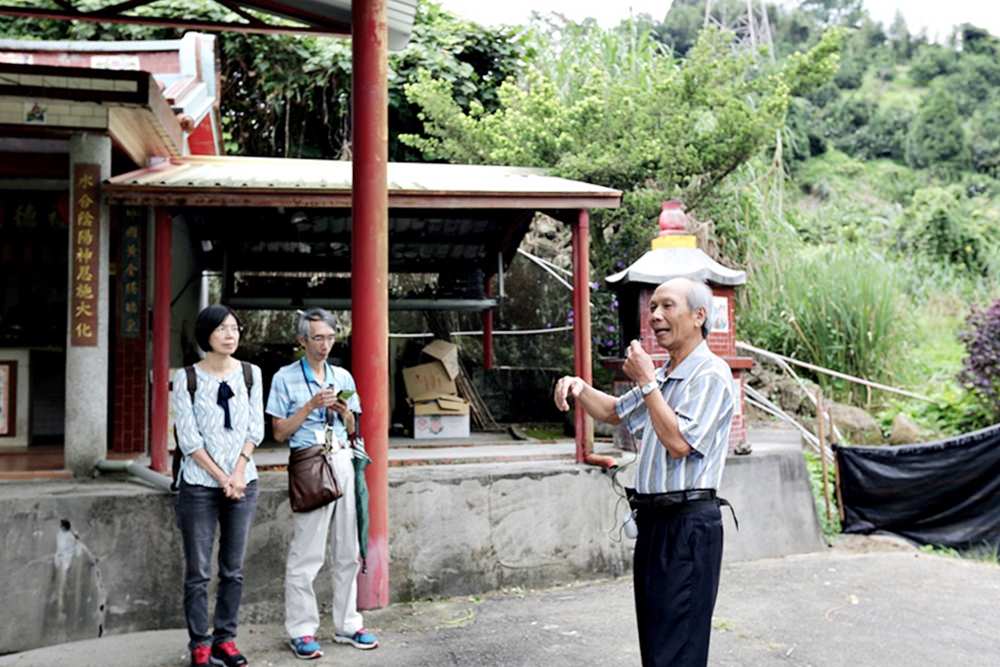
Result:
{"points": [[936, 16]]}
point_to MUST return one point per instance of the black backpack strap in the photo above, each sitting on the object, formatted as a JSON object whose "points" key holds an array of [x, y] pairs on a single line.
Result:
{"points": [[192, 382], [247, 375], [192, 387]]}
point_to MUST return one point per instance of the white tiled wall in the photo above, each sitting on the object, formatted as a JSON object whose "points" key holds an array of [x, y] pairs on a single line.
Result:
{"points": [[63, 113]]}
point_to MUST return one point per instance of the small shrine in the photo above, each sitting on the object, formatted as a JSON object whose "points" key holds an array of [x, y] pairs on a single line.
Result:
{"points": [[675, 254]]}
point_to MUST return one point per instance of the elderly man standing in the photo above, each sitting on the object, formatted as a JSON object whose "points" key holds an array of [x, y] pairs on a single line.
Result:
{"points": [[680, 415], [308, 398]]}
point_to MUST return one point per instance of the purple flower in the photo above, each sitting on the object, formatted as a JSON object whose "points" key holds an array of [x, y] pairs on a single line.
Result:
{"points": [[981, 368]]}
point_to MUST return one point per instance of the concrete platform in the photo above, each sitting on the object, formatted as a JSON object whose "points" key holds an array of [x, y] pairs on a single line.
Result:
{"points": [[90, 558]]}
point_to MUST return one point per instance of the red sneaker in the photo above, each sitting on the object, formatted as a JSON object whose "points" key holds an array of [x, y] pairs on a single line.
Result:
{"points": [[227, 655], [200, 656]]}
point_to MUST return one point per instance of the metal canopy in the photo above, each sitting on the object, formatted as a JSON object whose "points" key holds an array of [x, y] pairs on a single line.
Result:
{"points": [[269, 182], [321, 17]]}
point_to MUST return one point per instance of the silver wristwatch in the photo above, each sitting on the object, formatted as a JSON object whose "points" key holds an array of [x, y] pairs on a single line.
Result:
{"points": [[648, 388]]}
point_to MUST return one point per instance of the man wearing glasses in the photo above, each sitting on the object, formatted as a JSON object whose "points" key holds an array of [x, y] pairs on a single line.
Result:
{"points": [[314, 402]]}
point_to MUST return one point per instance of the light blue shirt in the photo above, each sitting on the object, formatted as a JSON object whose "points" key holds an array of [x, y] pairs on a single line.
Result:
{"points": [[202, 425], [294, 385], [700, 392]]}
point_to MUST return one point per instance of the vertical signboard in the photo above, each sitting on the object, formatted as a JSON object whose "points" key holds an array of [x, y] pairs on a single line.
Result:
{"points": [[85, 230], [131, 275]]}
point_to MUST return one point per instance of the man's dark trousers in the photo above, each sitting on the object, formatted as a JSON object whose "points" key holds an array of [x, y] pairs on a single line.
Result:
{"points": [[678, 557]]}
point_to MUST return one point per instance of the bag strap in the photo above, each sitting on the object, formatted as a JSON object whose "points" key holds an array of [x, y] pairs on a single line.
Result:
{"points": [[175, 465], [247, 375], [192, 382]]}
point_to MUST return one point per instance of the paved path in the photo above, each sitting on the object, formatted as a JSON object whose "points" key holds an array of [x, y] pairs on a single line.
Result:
{"points": [[881, 608]]}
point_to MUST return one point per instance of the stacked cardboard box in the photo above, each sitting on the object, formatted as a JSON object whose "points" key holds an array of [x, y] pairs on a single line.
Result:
{"points": [[438, 410]]}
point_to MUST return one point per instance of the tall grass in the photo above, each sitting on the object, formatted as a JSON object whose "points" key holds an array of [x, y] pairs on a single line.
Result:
{"points": [[838, 308]]}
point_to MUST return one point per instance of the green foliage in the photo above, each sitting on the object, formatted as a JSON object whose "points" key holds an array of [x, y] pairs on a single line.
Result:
{"points": [[600, 126], [947, 227], [886, 136], [805, 133], [899, 37], [932, 61], [984, 138], [830, 527], [836, 308], [936, 139], [290, 95], [984, 553], [955, 410], [614, 107], [834, 12], [679, 30], [845, 120]]}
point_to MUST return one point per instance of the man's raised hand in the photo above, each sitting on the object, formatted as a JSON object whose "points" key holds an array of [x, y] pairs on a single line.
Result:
{"points": [[565, 387], [638, 364]]}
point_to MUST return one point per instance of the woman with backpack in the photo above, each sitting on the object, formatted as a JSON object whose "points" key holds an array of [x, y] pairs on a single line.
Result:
{"points": [[219, 422]]}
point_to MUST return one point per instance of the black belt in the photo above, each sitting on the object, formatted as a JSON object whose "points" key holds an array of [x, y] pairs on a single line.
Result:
{"points": [[677, 502]]}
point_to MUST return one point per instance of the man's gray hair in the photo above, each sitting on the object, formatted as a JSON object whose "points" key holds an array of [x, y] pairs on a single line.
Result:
{"points": [[699, 295], [313, 315]]}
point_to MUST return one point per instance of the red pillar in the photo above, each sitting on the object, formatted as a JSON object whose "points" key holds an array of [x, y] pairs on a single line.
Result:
{"points": [[581, 338], [161, 340], [581, 324], [488, 331], [370, 278]]}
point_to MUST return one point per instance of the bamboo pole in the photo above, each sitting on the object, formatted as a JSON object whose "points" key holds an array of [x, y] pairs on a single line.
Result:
{"points": [[836, 479], [821, 434], [843, 376]]}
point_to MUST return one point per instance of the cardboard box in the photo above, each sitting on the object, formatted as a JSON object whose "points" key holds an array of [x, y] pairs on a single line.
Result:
{"points": [[438, 410], [428, 427], [427, 382]]}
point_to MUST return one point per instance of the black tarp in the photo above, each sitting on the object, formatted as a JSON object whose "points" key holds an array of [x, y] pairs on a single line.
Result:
{"points": [[945, 492]]}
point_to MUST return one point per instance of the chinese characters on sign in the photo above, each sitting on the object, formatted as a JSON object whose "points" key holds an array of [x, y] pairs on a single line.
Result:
{"points": [[131, 274], [85, 227]]}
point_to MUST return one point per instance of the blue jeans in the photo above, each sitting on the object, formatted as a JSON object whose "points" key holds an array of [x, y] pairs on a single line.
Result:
{"points": [[199, 509]]}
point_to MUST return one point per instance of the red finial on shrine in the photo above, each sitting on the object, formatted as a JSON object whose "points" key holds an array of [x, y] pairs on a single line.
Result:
{"points": [[673, 220]]}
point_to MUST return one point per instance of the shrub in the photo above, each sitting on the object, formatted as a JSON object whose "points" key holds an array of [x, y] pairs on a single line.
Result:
{"points": [[936, 138], [974, 80], [885, 136], [984, 139], [942, 225], [846, 120], [930, 62], [981, 368], [804, 133]]}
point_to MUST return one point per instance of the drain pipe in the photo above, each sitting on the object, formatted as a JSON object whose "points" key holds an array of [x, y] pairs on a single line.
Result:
{"points": [[161, 482]]}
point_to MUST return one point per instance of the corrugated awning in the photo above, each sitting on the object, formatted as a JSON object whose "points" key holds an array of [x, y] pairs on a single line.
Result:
{"points": [[266, 182], [324, 17]]}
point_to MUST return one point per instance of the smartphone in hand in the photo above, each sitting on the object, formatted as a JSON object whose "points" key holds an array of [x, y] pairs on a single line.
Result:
{"points": [[345, 394]]}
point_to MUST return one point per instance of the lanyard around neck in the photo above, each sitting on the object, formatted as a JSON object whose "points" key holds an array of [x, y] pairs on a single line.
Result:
{"points": [[330, 414]]}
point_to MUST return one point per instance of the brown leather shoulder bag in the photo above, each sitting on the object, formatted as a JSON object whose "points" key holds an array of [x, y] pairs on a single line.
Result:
{"points": [[311, 482]]}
